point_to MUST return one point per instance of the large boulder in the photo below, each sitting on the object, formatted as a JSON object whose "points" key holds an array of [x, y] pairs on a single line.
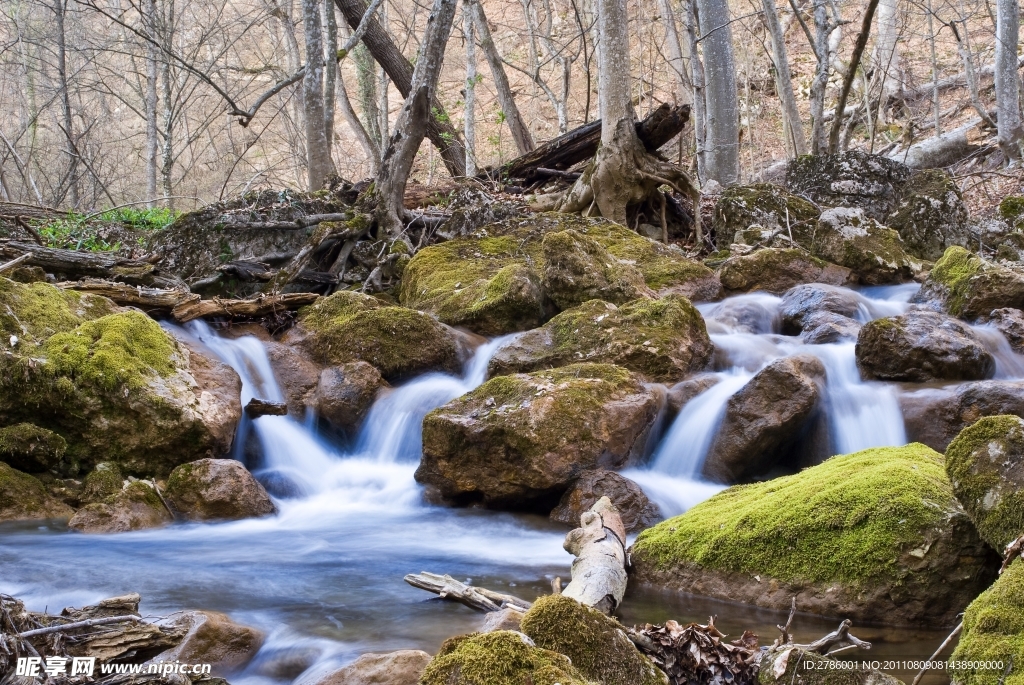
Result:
{"points": [[849, 179], [967, 286], [820, 328], [345, 393], [596, 644], [636, 510], [349, 327], [216, 490], [519, 441], [28, 447], [874, 536], [776, 270], [577, 269], [993, 633], [922, 346], [931, 215], [801, 302], [403, 667], [296, 375], [763, 417], [501, 657], [213, 638], [985, 464], [662, 340], [760, 212], [23, 497], [1009, 322], [875, 253], [136, 507], [934, 416]]}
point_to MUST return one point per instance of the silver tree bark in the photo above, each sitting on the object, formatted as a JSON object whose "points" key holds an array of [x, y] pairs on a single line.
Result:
{"points": [[699, 99], [887, 56], [678, 54], [59, 11], [1007, 81], [469, 114], [152, 135], [319, 164], [331, 68], [820, 81], [722, 110], [793, 128]]}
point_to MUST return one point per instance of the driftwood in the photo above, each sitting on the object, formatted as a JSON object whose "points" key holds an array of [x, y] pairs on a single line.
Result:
{"points": [[255, 308], [77, 265], [581, 143], [88, 623], [477, 598], [257, 407], [153, 300], [599, 570], [942, 150]]}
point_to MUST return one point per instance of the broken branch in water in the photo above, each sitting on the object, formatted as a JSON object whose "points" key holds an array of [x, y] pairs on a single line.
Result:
{"points": [[78, 624], [477, 598], [599, 570]]}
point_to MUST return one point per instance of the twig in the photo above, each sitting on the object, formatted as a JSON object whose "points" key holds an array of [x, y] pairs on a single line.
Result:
{"points": [[15, 262], [945, 643], [78, 624]]}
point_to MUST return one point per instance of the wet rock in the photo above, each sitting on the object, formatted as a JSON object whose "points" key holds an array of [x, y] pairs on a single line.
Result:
{"points": [[1011, 210], [849, 179], [30, 448], [684, 391], [136, 507], [213, 638], [993, 632], [931, 215], [506, 619], [922, 346], [596, 644], [345, 393], [663, 340], [755, 313], [256, 408], [765, 415], [636, 510], [216, 489], [519, 441], [935, 416], [821, 328], [349, 327], [1009, 322], [985, 464], [24, 498], [102, 482], [27, 274], [849, 237], [404, 667], [967, 286], [776, 270], [873, 536], [498, 658], [804, 300], [785, 666], [296, 375], [578, 269], [766, 211]]}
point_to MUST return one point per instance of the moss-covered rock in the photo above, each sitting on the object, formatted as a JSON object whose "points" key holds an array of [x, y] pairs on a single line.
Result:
{"points": [[1011, 209], [31, 313], [502, 657], [965, 285], [993, 632], [216, 490], [931, 215], [849, 179], [135, 507], [773, 210], [23, 497], [874, 536], [348, 327], [596, 644], [577, 269], [102, 482], [30, 448], [985, 463], [662, 340], [875, 253], [776, 270], [795, 666], [518, 441]]}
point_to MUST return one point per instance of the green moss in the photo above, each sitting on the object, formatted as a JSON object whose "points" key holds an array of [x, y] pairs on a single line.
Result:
{"points": [[102, 482], [954, 271], [847, 519], [994, 631], [1011, 207], [119, 350], [974, 461], [596, 644], [28, 444], [23, 497], [141, 493], [35, 311], [499, 658], [765, 205]]}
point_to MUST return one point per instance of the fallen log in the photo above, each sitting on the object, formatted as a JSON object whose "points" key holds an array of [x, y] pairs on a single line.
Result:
{"points": [[150, 300], [942, 150], [77, 265], [14, 262], [477, 598], [255, 308], [599, 570], [247, 271], [581, 143]]}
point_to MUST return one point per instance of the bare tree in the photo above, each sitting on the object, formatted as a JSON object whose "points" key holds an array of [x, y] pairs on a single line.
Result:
{"points": [[319, 164], [1007, 81], [469, 115], [722, 109], [793, 129]]}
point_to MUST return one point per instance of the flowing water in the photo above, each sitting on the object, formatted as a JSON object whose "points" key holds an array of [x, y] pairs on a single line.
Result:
{"points": [[323, 577]]}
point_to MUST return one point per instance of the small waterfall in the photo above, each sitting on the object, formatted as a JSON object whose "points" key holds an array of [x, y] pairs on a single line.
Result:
{"points": [[1009, 364]]}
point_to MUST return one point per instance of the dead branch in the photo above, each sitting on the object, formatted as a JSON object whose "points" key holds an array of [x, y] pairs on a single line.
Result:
{"points": [[78, 624], [148, 299], [255, 308], [78, 265], [477, 598], [14, 262], [945, 643]]}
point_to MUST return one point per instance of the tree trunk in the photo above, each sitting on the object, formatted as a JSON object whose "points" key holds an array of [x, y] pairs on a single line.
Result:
{"points": [[331, 72], [887, 55], [366, 83], [599, 570], [793, 128], [851, 73], [469, 112], [722, 125], [820, 81], [319, 165], [699, 98], [167, 83], [59, 10], [678, 57], [1007, 81], [152, 135], [439, 129]]}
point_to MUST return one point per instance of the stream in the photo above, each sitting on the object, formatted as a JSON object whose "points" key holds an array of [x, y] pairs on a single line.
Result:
{"points": [[323, 578]]}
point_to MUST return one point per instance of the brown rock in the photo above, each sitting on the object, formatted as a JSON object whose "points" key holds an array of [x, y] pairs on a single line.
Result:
{"points": [[345, 393], [579, 269], [776, 270], [636, 510], [213, 638], [804, 300], [1010, 322], [934, 416], [825, 327], [403, 667], [216, 489], [296, 375], [136, 507], [684, 391], [23, 497], [506, 619], [218, 389]]}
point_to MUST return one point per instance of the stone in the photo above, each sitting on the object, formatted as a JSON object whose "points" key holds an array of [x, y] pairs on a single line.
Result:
{"points": [[499, 658], [23, 498], [849, 179], [519, 441], [934, 416], [216, 490], [508, 618], [763, 417], [296, 375], [985, 464], [684, 391], [595, 644], [577, 269], [1011, 209], [403, 667], [966, 286], [874, 536], [636, 510], [30, 448], [345, 393], [102, 482], [135, 507], [776, 270], [993, 633], [811, 298], [873, 252], [931, 215], [922, 346], [772, 209], [821, 328], [1009, 322], [662, 340], [213, 638]]}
